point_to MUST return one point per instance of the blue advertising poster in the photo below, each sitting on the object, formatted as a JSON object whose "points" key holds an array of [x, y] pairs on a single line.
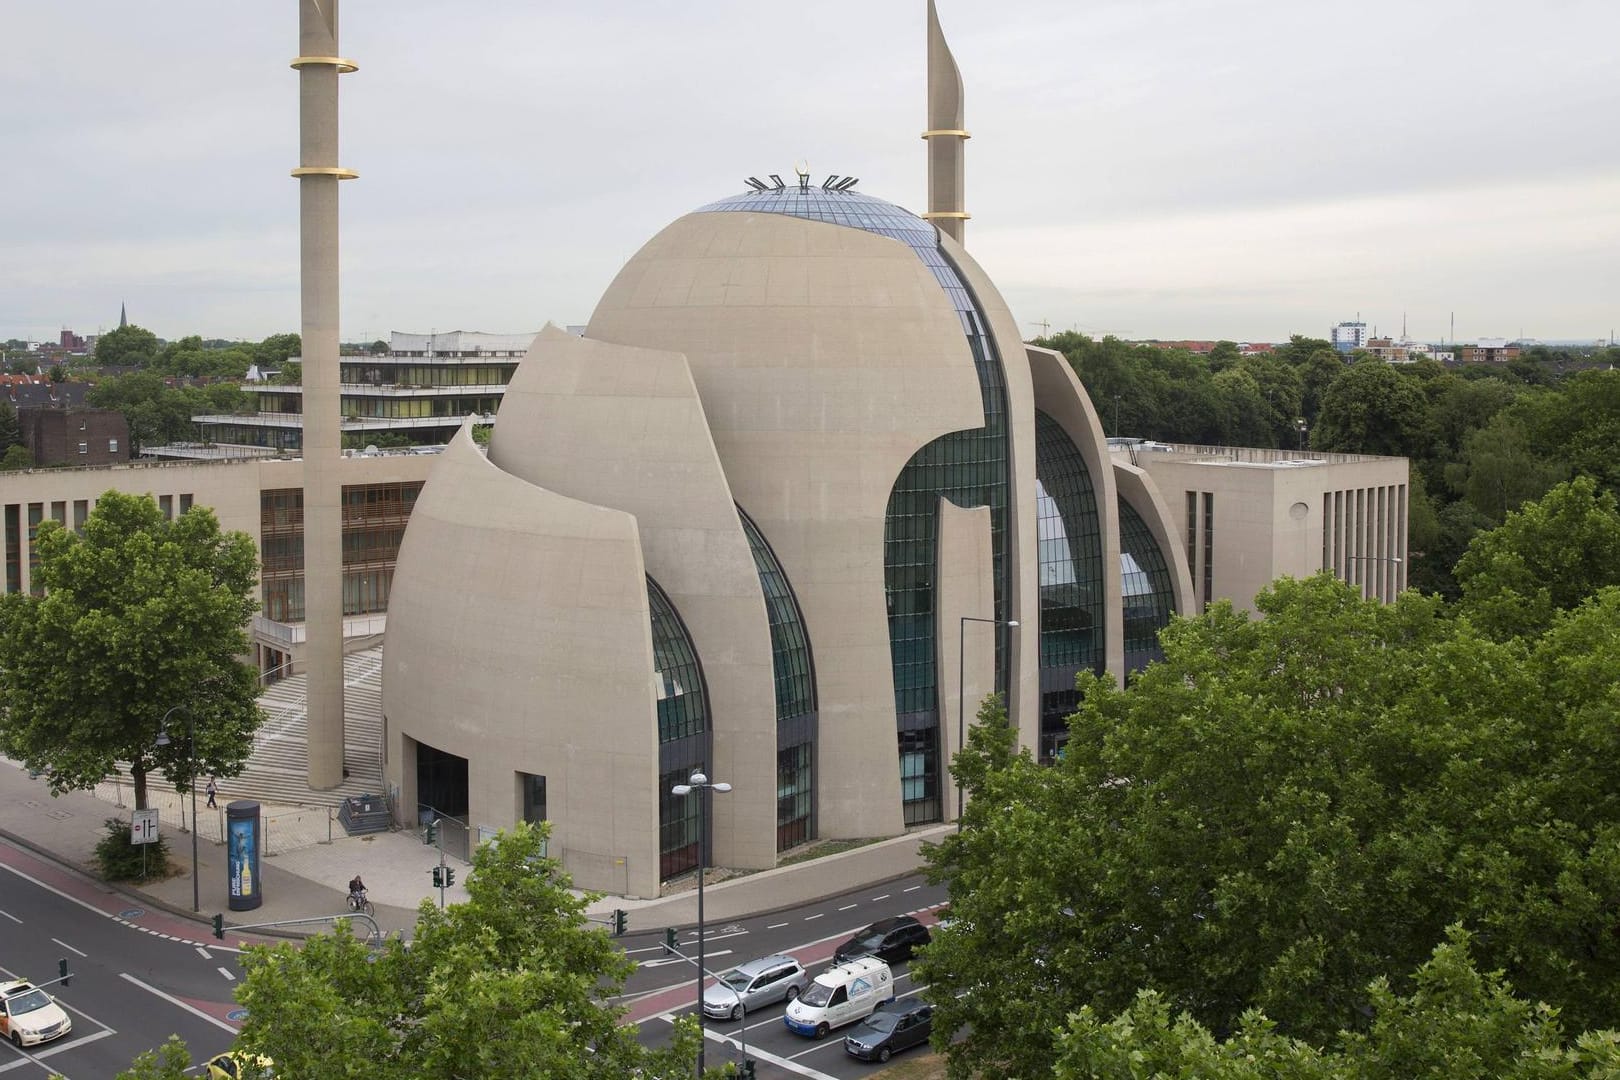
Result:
{"points": [[243, 858]]}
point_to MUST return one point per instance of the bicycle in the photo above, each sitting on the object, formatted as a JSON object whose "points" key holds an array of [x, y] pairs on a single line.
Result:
{"points": [[361, 902]]}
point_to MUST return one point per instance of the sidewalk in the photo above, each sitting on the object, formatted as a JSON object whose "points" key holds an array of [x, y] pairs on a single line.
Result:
{"points": [[311, 880]]}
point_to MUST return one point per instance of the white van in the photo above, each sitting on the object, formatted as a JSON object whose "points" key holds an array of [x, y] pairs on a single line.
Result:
{"points": [[841, 995]]}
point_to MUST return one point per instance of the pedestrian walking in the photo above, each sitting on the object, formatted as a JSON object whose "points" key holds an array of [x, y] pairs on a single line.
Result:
{"points": [[212, 789]]}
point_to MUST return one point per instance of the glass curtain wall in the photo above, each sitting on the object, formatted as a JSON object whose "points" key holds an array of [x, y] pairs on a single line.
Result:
{"points": [[683, 733], [1146, 588]]}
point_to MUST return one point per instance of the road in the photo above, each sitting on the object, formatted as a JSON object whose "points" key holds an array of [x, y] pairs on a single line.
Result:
{"points": [[140, 975], [137, 975], [664, 988]]}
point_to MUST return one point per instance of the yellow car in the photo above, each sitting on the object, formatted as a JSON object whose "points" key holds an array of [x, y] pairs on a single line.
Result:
{"points": [[236, 1065]]}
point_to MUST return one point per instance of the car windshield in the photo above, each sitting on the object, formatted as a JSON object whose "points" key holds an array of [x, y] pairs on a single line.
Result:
{"points": [[882, 1023], [27, 1003], [818, 995], [735, 979]]}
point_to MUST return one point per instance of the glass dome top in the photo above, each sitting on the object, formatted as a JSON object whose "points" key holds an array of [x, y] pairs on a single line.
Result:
{"points": [[850, 208]]}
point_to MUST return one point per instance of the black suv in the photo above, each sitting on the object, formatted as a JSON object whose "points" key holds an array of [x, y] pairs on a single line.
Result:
{"points": [[887, 939]]}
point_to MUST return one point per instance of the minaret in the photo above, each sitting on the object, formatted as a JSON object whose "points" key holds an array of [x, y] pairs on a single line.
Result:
{"points": [[945, 134], [318, 173], [123, 315]]}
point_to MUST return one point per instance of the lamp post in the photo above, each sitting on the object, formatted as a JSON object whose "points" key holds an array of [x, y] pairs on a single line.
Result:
{"points": [[961, 693], [1302, 428], [702, 785], [191, 754]]}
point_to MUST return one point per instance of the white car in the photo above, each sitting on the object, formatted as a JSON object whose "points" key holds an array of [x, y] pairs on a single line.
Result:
{"points": [[30, 1016]]}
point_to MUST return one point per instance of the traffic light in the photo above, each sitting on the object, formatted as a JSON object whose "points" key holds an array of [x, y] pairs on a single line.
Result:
{"points": [[620, 918], [670, 939], [430, 835], [219, 927], [449, 876], [438, 877], [747, 1070], [61, 966]]}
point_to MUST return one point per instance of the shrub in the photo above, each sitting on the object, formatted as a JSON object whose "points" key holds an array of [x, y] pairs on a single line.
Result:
{"points": [[120, 860]]}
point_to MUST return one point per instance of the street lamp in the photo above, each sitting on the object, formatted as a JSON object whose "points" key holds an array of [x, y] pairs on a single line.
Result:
{"points": [[961, 713], [191, 753], [702, 785], [1302, 428]]}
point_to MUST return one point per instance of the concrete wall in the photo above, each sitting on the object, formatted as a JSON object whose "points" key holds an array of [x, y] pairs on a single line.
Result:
{"points": [[622, 427], [580, 711]]}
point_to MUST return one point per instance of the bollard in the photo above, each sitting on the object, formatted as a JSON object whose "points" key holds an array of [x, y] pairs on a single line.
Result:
{"points": [[328, 824], [267, 851]]}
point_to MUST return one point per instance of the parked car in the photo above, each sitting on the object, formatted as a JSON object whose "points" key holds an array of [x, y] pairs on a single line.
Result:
{"points": [[891, 940], [28, 1015], [757, 983], [890, 1029], [236, 1065], [841, 995]]}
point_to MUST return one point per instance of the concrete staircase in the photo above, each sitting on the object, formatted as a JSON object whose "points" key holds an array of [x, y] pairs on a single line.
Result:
{"points": [[277, 771]]}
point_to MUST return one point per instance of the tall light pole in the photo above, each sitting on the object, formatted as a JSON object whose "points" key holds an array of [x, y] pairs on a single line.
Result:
{"points": [[702, 785], [1302, 427], [191, 754], [961, 693]]}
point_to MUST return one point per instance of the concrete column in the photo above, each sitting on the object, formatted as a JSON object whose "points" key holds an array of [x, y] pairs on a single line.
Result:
{"points": [[318, 175]]}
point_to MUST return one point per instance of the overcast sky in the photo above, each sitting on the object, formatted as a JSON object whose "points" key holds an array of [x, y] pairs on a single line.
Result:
{"points": [[1242, 169]]}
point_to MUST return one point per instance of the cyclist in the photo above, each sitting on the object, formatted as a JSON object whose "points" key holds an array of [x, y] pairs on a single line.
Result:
{"points": [[357, 893]]}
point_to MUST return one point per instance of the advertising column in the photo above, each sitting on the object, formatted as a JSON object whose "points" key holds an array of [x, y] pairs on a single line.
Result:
{"points": [[242, 847]]}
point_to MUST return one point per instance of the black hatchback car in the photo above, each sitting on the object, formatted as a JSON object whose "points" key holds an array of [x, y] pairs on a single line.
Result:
{"points": [[890, 940], [891, 1029]]}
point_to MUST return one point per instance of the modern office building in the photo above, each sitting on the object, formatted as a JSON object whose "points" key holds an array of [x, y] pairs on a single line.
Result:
{"points": [[1350, 336], [423, 387]]}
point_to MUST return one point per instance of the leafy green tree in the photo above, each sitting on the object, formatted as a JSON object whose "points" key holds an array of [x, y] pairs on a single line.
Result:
{"points": [[277, 349], [139, 615], [1548, 556], [171, 1061], [510, 983], [1282, 811], [1497, 470], [1223, 355], [127, 346], [1580, 426], [10, 431], [1371, 408], [16, 457], [1457, 1023]]}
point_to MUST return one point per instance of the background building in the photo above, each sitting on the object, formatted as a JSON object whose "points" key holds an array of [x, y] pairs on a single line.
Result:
{"points": [[1350, 336]]}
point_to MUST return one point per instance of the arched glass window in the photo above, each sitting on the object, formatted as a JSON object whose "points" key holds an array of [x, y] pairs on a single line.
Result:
{"points": [[683, 733], [1146, 589]]}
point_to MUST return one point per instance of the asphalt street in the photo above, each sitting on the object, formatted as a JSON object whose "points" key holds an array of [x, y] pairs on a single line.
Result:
{"points": [[137, 976], [664, 988]]}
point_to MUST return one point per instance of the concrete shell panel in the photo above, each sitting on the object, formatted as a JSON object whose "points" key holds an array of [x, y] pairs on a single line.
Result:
{"points": [[966, 658], [1058, 394], [825, 357], [1137, 488], [557, 684], [623, 427], [1024, 697]]}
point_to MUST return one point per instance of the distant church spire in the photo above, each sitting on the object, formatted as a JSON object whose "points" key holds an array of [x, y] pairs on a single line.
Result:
{"points": [[123, 315], [945, 135]]}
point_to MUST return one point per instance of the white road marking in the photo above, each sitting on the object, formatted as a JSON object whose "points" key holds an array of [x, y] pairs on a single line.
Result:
{"points": [[204, 953], [225, 971], [780, 1062], [776, 926], [172, 1000], [95, 910], [817, 915], [875, 899], [849, 907], [914, 888], [707, 956], [69, 948], [52, 1051], [12, 917]]}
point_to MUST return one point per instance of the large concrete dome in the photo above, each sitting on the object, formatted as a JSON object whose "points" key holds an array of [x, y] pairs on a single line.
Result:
{"points": [[797, 500]]}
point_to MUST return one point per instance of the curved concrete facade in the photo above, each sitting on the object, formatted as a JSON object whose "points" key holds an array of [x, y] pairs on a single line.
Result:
{"points": [[827, 363]]}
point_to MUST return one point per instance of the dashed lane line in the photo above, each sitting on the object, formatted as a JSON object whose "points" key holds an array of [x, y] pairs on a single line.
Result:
{"points": [[914, 888], [776, 926], [849, 907], [875, 899], [204, 953], [97, 911], [817, 915], [12, 917], [225, 971]]}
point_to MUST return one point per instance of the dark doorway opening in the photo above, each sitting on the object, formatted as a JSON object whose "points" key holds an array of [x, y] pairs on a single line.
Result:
{"points": [[441, 781]]}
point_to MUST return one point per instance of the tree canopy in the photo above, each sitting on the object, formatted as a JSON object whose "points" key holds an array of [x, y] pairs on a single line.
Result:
{"points": [[509, 983], [127, 346], [139, 616], [1281, 812]]}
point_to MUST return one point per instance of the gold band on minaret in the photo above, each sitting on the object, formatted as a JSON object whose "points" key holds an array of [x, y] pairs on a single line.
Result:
{"points": [[948, 215], [326, 170], [343, 64], [960, 134]]}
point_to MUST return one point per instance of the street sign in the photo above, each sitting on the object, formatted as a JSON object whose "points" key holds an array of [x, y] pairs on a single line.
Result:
{"points": [[143, 826]]}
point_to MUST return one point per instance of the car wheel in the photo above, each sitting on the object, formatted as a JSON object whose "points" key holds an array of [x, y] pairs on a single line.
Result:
{"points": [[883, 1055], [16, 1039], [822, 1029], [792, 994], [738, 1011]]}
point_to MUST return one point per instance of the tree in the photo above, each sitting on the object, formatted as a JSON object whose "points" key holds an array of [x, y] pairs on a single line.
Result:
{"points": [[1284, 810], [1548, 556], [277, 349], [140, 615], [510, 983], [127, 346], [10, 432], [1371, 408], [171, 1061], [1457, 1023], [16, 457]]}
